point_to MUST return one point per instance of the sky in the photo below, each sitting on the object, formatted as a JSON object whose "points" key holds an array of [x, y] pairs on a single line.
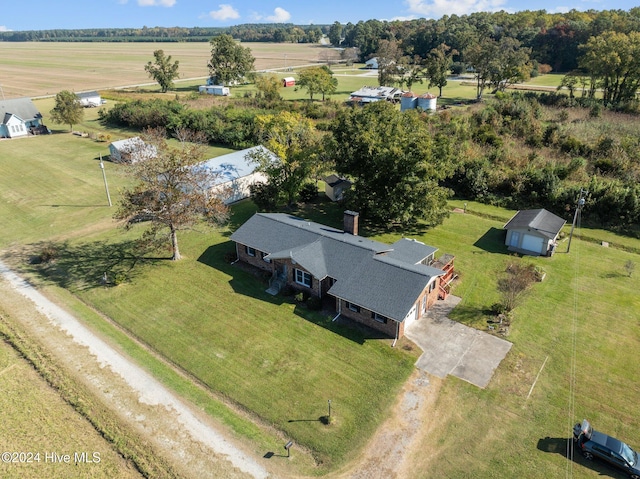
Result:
{"points": [[77, 14]]}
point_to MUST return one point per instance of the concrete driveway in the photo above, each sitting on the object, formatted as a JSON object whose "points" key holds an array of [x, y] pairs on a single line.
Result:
{"points": [[453, 348]]}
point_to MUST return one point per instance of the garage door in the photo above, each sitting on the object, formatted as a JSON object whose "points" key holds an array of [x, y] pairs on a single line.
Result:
{"points": [[532, 243], [411, 317]]}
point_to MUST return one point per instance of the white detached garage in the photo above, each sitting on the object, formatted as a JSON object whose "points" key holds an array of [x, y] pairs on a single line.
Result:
{"points": [[533, 232]]}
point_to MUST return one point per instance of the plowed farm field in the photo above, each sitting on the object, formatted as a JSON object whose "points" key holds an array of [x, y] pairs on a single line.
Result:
{"points": [[33, 69]]}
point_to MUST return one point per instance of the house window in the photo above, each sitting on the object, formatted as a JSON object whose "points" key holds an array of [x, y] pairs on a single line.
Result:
{"points": [[379, 318], [353, 307], [432, 286], [303, 278], [250, 251]]}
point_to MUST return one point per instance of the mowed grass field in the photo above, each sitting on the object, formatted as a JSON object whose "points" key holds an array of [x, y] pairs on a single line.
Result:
{"points": [[281, 362]]}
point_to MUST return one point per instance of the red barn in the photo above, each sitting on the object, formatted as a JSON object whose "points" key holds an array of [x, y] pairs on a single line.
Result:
{"points": [[288, 81]]}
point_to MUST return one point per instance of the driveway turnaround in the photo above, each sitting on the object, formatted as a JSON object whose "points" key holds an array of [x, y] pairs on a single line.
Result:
{"points": [[453, 348]]}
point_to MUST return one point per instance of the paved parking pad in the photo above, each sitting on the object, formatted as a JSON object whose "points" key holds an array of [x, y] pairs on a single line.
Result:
{"points": [[453, 348]]}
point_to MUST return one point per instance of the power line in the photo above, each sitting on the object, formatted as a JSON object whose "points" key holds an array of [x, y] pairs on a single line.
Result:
{"points": [[577, 219]]}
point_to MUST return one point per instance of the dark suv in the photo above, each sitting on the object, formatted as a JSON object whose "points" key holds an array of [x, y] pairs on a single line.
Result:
{"points": [[615, 452]]}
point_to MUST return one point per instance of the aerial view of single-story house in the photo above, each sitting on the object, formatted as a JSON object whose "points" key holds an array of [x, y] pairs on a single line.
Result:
{"points": [[335, 186], [236, 172], [131, 150], [89, 99], [20, 117], [533, 232], [385, 287]]}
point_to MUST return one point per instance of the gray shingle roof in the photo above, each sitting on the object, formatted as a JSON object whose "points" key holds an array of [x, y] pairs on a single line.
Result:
{"points": [[541, 220], [379, 277], [410, 250], [23, 108]]}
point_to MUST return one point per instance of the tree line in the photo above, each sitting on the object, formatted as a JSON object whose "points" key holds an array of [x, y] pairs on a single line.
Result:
{"points": [[553, 39], [268, 32]]}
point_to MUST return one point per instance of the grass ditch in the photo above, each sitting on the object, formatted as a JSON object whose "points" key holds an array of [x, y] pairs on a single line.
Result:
{"points": [[123, 440]]}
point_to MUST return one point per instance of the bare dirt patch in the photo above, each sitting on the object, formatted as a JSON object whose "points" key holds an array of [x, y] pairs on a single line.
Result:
{"points": [[396, 444]]}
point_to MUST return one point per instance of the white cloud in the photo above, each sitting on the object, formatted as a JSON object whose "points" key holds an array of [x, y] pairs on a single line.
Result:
{"points": [[156, 3], [280, 15], [224, 12], [559, 10], [5, 29], [438, 8]]}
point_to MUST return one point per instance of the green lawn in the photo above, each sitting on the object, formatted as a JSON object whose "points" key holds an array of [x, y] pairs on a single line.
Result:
{"points": [[268, 356], [281, 363]]}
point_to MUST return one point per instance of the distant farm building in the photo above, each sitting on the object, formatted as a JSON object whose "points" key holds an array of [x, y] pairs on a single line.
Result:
{"points": [[235, 173], [131, 150], [288, 81], [372, 63], [89, 99], [426, 102], [20, 117], [369, 94], [218, 90]]}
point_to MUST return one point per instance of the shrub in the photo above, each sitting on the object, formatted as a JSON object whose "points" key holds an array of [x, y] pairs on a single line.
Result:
{"points": [[230, 257], [308, 192], [314, 303], [48, 254]]}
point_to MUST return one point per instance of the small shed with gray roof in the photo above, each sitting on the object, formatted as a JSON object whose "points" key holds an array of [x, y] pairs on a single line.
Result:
{"points": [[385, 287], [533, 232]]}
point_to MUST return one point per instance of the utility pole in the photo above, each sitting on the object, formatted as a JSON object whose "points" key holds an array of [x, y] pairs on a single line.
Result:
{"points": [[581, 201], [104, 176]]}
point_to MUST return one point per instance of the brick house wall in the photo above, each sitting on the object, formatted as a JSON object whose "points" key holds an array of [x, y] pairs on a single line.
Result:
{"points": [[316, 286], [256, 260], [364, 317]]}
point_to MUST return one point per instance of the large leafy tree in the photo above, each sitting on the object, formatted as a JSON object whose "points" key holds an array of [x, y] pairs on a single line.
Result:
{"points": [[295, 141], [162, 70], [269, 85], [389, 57], [438, 64], [171, 194], [68, 109], [317, 80], [335, 34], [229, 61], [498, 63], [611, 59], [395, 162]]}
